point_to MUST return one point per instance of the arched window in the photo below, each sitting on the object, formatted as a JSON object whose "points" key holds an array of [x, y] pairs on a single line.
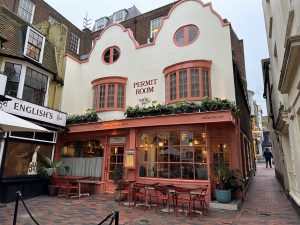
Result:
{"points": [[188, 81], [109, 93], [111, 55], [186, 35]]}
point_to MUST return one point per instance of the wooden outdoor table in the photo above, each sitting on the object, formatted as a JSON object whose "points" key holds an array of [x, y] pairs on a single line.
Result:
{"points": [[86, 181]]}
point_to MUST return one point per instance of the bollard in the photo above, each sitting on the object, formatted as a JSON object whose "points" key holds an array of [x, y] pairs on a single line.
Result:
{"points": [[117, 217], [16, 207]]}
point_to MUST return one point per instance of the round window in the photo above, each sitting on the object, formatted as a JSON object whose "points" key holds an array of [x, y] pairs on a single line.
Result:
{"points": [[111, 55], [186, 35]]}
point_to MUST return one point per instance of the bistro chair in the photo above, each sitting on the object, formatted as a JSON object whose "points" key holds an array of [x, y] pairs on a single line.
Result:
{"points": [[139, 191], [182, 196], [124, 188], [55, 180], [63, 186], [201, 198], [73, 187], [161, 193]]}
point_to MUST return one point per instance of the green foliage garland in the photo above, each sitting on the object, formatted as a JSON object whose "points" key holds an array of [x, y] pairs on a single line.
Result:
{"points": [[205, 105], [89, 116]]}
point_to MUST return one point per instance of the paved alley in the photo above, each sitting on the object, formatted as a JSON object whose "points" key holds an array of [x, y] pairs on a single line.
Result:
{"points": [[265, 203]]}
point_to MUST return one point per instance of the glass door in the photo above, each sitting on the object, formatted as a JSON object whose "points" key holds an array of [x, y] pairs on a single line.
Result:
{"points": [[115, 159]]}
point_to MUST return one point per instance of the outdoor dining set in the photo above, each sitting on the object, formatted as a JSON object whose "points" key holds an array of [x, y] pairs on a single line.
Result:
{"points": [[70, 186], [150, 195]]}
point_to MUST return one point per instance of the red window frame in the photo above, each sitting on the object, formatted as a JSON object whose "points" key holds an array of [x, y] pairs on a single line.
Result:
{"points": [[111, 56], [188, 66], [106, 82], [186, 35]]}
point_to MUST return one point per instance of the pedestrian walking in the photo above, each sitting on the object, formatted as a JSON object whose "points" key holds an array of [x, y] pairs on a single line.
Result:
{"points": [[268, 156]]}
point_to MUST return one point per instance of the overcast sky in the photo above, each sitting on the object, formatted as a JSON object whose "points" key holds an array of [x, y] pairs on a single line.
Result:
{"points": [[246, 18]]}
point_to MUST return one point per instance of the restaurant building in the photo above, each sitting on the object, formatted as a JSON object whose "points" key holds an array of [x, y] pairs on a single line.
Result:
{"points": [[163, 56], [32, 81]]}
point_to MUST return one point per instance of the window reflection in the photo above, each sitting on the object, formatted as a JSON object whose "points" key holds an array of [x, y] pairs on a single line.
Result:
{"points": [[173, 155]]}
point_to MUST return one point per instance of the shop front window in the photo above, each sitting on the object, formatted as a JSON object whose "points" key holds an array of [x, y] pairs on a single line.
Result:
{"points": [[188, 81], [173, 155], [24, 158], [82, 149]]}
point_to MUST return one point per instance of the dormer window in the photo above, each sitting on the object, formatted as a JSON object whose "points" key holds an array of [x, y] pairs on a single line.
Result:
{"points": [[119, 16], [34, 45], [154, 26], [101, 23], [74, 43], [26, 10]]}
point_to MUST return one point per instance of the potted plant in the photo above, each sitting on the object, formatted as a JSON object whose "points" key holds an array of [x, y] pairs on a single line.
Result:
{"points": [[118, 174], [228, 181], [50, 168]]}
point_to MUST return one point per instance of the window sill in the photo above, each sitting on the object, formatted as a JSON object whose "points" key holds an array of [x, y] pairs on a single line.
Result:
{"points": [[111, 109]]}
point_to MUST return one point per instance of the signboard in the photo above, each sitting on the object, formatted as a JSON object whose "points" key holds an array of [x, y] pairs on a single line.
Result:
{"points": [[3, 79], [117, 140], [130, 155], [146, 86], [29, 110]]}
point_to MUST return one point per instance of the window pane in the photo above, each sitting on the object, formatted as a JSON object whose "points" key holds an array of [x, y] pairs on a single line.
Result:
{"points": [[34, 45], [179, 36], [143, 170], [175, 171], [192, 33], [25, 10], [200, 155], [107, 56], [195, 83], [74, 43], [201, 172], [183, 84], [120, 103], [175, 138], [163, 170], [102, 97], [162, 154], [13, 72], [155, 25], [26, 160], [173, 86], [95, 97], [188, 171], [205, 83], [187, 154], [111, 96], [116, 54], [34, 90], [174, 153], [186, 138]]}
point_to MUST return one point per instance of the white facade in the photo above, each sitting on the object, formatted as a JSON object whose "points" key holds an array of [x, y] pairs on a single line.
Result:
{"points": [[143, 63], [282, 19]]}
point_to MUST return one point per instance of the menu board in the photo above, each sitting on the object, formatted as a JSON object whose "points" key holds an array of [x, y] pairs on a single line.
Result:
{"points": [[130, 158]]}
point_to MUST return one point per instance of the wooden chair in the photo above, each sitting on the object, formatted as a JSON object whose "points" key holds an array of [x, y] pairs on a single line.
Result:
{"points": [[73, 187], [63, 186], [183, 196], [161, 193], [201, 197], [139, 191], [124, 188], [55, 184]]}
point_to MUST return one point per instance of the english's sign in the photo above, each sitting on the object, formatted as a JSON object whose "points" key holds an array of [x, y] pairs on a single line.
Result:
{"points": [[29, 110]]}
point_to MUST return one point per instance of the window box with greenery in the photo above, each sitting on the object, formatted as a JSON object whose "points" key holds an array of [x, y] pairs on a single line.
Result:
{"points": [[89, 117], [205, 105]]}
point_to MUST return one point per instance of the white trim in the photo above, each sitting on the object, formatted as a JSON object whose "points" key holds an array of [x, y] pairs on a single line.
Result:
{"points": [[26, 44], [33, 139], [32, 14], [26, 65], [2, 143]]}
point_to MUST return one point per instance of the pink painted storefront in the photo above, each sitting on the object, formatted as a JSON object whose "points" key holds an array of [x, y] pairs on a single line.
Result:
{"points": [[173, 149]]}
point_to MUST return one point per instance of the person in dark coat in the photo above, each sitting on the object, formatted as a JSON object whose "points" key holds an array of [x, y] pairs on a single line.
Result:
{"points": [[268, 156]]}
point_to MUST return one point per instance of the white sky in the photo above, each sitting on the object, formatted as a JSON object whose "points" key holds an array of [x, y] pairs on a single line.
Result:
{"points": [[246, 17]]}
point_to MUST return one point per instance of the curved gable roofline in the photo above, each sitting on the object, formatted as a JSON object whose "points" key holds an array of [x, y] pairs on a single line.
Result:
{"points": [[131, 36]]}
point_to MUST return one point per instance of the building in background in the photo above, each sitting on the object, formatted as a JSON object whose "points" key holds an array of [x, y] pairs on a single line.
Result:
{"points": [[30, 60], [154, 58], [281, 89], [256, 126]]}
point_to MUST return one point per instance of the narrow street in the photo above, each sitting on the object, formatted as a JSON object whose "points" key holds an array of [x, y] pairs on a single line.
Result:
{"points": [[266, 202]]}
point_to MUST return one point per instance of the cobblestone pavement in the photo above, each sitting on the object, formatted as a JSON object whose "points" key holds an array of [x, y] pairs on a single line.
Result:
{"points": [[265, 203]]}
